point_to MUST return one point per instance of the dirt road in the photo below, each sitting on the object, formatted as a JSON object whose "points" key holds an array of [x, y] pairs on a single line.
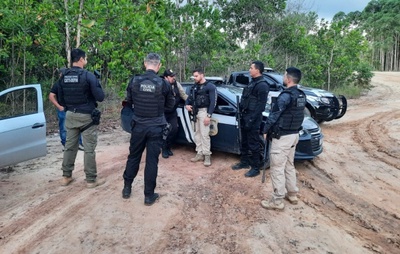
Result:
{"points": [[349, 197]]}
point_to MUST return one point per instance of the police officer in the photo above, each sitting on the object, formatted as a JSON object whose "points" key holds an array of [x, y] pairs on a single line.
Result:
{"points": [[283, 125], [53, 97], [78, 92], [201, 102], [149, 95], [170, 115], [252, 104]]}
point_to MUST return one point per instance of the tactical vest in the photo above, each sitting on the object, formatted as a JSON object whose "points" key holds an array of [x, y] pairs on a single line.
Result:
{"points": [[177, 97], [292, 117], [148, 99], [75, 88], [248, 101], [202, 96]]}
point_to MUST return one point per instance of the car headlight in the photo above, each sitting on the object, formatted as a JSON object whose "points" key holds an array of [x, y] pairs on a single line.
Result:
{"points": [[302, 132], [325, 100]]}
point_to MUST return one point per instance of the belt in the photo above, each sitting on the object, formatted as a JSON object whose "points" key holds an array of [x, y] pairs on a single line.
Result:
{"points": [[77, 110]]}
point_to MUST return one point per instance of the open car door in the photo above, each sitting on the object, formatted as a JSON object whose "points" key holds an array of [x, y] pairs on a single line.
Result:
{"points": [[22, 125]]}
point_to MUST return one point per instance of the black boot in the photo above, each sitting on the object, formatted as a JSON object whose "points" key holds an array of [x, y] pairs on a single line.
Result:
{"points": [[170, 153], [164, 151], [240, 165], [126, 191], [151, 199], [252, 172]]}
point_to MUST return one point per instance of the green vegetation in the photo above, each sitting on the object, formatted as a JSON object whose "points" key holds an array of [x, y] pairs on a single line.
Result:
{"points": [[36, 36]]}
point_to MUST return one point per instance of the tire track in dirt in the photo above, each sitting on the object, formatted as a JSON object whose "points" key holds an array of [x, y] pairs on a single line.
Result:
{"points": [[380, 93], [373, 225], [222, 212], [330, 193], [72, 200], [371, 134], [214, 196], [42, 228], [18, 206]]}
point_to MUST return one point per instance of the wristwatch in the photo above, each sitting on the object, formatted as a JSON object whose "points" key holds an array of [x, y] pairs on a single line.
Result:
{"points": [[209, 115]]}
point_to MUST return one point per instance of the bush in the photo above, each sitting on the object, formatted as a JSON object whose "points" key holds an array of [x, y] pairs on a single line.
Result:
{"points": [[350, 91], [362, 76]]}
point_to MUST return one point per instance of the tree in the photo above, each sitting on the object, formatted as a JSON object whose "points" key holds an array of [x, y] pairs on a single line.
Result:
{"points": [[381, 22]]}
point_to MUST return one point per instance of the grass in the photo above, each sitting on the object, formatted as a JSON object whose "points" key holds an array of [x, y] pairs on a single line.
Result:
{"points": [[351, 91]]}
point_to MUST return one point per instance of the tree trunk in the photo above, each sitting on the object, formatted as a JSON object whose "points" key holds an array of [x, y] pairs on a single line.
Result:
{"points": [[396, 53], [78, 29], [329, 69], [24, 53], [67, 35]]}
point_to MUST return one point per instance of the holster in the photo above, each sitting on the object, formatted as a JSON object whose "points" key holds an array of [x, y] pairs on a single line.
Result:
{"points": [[96, 115], [166, 130], [274, 132]]}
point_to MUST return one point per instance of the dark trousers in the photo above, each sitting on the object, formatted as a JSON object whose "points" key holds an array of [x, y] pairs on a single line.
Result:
{"points": [[149, 137], [251, 145], [171, 118]]}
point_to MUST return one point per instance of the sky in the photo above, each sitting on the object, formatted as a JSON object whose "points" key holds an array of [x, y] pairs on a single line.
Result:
{"points": [[328, 8]]}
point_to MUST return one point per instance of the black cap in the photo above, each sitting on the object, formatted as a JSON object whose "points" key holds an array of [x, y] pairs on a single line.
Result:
{"points": [[169, 73]]}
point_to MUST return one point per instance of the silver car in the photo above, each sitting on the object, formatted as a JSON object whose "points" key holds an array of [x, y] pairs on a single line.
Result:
{"points": [[22, 125]]}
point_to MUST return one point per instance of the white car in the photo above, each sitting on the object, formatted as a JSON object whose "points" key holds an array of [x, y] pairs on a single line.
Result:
{"points": [[22, 125]]}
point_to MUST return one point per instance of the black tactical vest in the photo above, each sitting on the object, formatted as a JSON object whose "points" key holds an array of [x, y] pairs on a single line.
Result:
{"points": [[292, 118], [248, 101], [177, 97], [147, 97], [202, 96], [75, 88]]}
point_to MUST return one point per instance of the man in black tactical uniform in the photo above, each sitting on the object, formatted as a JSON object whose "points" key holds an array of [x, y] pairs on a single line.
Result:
{"points": [[283, 126], [170, 115], [252, 104], [78, 92], [149, 95]]}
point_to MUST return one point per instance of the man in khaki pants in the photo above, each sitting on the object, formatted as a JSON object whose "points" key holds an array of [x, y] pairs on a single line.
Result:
{"points": [[201, 102], [283, 125]]}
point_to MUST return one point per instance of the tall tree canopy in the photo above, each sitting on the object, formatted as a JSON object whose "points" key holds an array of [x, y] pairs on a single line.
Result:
{"points": [[219, 36]]}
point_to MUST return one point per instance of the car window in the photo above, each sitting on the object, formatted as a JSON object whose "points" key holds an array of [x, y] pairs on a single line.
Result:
{"points": [[224, 107], [273, 85], [243, 79], [221, 101], [22, 124], [18, 103]]}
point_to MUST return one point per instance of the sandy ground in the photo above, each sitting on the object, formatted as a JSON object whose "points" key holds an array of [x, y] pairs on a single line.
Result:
{"points": [[349, 197]]}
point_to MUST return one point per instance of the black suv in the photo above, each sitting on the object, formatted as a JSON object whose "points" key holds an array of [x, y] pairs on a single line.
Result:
{"points": [[321, 104]]}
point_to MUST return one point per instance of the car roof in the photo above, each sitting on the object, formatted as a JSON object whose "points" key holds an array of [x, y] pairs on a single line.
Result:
{"points": [[228, 91], [278, 77]]}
